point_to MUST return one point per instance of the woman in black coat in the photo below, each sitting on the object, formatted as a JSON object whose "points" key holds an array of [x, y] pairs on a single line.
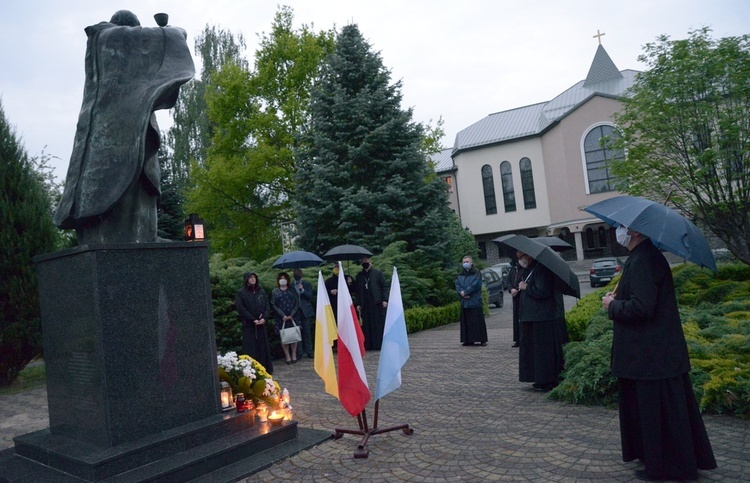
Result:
{"points": [[660, 422], [253, 307]]}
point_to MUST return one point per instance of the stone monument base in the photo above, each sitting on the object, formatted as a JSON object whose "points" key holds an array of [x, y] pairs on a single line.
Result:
{"points": [[221, 448], [132, 375]]}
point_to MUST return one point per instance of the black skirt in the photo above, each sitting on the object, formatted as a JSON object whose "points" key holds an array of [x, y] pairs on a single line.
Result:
{"points": [[661, 425], [473, 326], [540, 356]]}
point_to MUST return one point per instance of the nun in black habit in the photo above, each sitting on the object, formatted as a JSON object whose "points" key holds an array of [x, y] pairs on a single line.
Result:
{"points": [[253, 307]]}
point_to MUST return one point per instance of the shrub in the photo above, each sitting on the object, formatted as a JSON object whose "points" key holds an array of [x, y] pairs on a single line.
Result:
{"points": [[587, 378], [715, 311], [423, 318], [578, 317]]}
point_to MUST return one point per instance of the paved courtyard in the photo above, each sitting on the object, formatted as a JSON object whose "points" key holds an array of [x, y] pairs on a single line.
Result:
{"points": [[472, 421]]}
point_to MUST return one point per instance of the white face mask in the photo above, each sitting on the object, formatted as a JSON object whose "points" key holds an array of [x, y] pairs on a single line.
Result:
{"points": [[282, 282], [622, 236]]}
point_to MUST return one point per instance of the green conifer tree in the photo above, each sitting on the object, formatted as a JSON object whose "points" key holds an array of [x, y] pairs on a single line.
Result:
{"points": [[363, 174], [26, 230]]}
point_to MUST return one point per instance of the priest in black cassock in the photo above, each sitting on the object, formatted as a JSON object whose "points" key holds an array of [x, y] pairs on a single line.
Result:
{"points": [[660, 423], [372, 300], [540, 357]]}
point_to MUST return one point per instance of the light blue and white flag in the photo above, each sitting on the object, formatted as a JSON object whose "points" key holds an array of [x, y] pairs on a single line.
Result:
{"points": [[395, 349]]}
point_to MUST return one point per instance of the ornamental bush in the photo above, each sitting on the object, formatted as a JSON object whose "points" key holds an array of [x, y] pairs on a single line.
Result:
{"points": [[715, 312]]}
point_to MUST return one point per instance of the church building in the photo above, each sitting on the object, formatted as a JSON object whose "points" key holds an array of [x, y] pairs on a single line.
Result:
{"points": [[532, 169]]}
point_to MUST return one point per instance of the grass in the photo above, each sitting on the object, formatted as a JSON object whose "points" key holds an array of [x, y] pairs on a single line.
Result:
{"points": [[30, 377]]}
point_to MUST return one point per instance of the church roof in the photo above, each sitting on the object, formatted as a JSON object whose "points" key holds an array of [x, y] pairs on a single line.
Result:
{"points": [[603, 79], [443, 160]]}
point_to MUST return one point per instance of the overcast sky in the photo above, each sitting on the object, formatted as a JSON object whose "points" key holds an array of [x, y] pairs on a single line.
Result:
{"points": [[461, 60]]}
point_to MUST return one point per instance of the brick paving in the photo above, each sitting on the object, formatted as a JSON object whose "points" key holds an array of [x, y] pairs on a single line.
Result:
{"points": [[472, 421]]}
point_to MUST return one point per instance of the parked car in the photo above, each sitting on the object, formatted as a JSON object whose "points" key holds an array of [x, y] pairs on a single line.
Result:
{"points": [[603, 270], [501, 268], [494, 283]]}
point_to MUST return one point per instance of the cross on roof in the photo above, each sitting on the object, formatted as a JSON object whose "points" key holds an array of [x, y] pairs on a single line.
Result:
{"points": [[598, 36]]}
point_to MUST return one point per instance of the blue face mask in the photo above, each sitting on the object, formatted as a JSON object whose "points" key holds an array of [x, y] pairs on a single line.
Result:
{"points": [[467, 265]]}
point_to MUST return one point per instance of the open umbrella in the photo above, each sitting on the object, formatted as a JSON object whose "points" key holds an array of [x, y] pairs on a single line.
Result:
{"points": [[554, 243], [667, 229], [297, 259], [347, 252], [544, 255]]}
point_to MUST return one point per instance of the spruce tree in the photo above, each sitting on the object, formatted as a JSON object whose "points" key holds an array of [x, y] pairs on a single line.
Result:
{"points": [[363, 176], [26, 230]]}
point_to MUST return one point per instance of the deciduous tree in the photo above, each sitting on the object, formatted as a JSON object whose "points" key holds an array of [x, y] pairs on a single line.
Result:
{"points": [[245, 186], [686, 129]]}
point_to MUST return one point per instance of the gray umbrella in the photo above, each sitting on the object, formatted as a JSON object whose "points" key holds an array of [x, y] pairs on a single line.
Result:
{"points": [[347, 252], [544, 255], [554, 243], [667, 229], [297, 259]]}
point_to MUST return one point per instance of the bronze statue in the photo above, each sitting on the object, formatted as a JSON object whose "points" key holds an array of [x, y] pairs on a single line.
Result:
{"points": [[112, 185]]}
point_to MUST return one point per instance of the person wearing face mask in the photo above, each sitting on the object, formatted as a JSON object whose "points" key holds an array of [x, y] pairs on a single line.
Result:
{"points": [[285, 303], [660, 422], [306, 312], [372, 300], [253, 308], [469, 288], [540, 356]]}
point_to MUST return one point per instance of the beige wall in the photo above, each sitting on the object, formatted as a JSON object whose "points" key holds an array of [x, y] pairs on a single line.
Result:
{"points": [[563, 155], [559, 180], [471, 193]]}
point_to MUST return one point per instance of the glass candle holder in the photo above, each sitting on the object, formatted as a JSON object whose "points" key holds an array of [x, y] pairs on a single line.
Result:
{"points": [[262, 412]]}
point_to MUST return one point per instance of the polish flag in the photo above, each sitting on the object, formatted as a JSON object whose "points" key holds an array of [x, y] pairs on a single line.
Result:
{"points": [[353, 391]]}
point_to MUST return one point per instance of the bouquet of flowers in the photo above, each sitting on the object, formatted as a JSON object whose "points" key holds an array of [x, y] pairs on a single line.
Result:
{"points": [[246, 375]]}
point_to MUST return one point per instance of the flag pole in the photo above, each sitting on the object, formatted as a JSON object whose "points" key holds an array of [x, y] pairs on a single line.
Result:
{"points": [[365, 432], [393, 355]]}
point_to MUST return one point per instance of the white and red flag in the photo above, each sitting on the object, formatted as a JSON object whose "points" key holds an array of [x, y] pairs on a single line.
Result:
{"points": [[354, 393]]}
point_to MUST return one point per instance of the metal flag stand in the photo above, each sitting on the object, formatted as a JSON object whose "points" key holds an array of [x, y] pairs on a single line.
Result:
{"points": [[366, 432]]}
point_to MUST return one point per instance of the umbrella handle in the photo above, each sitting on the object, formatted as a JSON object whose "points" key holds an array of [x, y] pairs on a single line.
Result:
{"points": [[614, 290]]}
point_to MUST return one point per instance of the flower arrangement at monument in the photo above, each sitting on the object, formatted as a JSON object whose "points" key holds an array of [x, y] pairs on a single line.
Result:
{"points": [[246, 375]]}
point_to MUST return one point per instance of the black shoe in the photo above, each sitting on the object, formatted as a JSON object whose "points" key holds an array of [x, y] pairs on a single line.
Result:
{"points": [[468, 343], [311, 356], [543, 387], [515, 344], [483, 344], [642, 475], [288, 362], [294, 361]]}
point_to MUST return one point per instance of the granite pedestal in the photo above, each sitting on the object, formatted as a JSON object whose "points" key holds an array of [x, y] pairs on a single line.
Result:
{"points": [[129, 342], [131, 369]]}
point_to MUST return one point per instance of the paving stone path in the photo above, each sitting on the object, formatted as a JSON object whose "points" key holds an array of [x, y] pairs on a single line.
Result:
{"points": [[472, 421]]}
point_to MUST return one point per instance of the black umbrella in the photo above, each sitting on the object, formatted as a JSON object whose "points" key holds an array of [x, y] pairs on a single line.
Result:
{"points": [[554, 243], [297, 259], [347, 252], [667, 229], [544, 255]]}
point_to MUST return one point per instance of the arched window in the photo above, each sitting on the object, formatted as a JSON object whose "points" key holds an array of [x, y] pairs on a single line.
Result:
{"points": [[599, 158], [509, 195], [488, 183], [527, 184], [602, 237], [590, 238]]}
